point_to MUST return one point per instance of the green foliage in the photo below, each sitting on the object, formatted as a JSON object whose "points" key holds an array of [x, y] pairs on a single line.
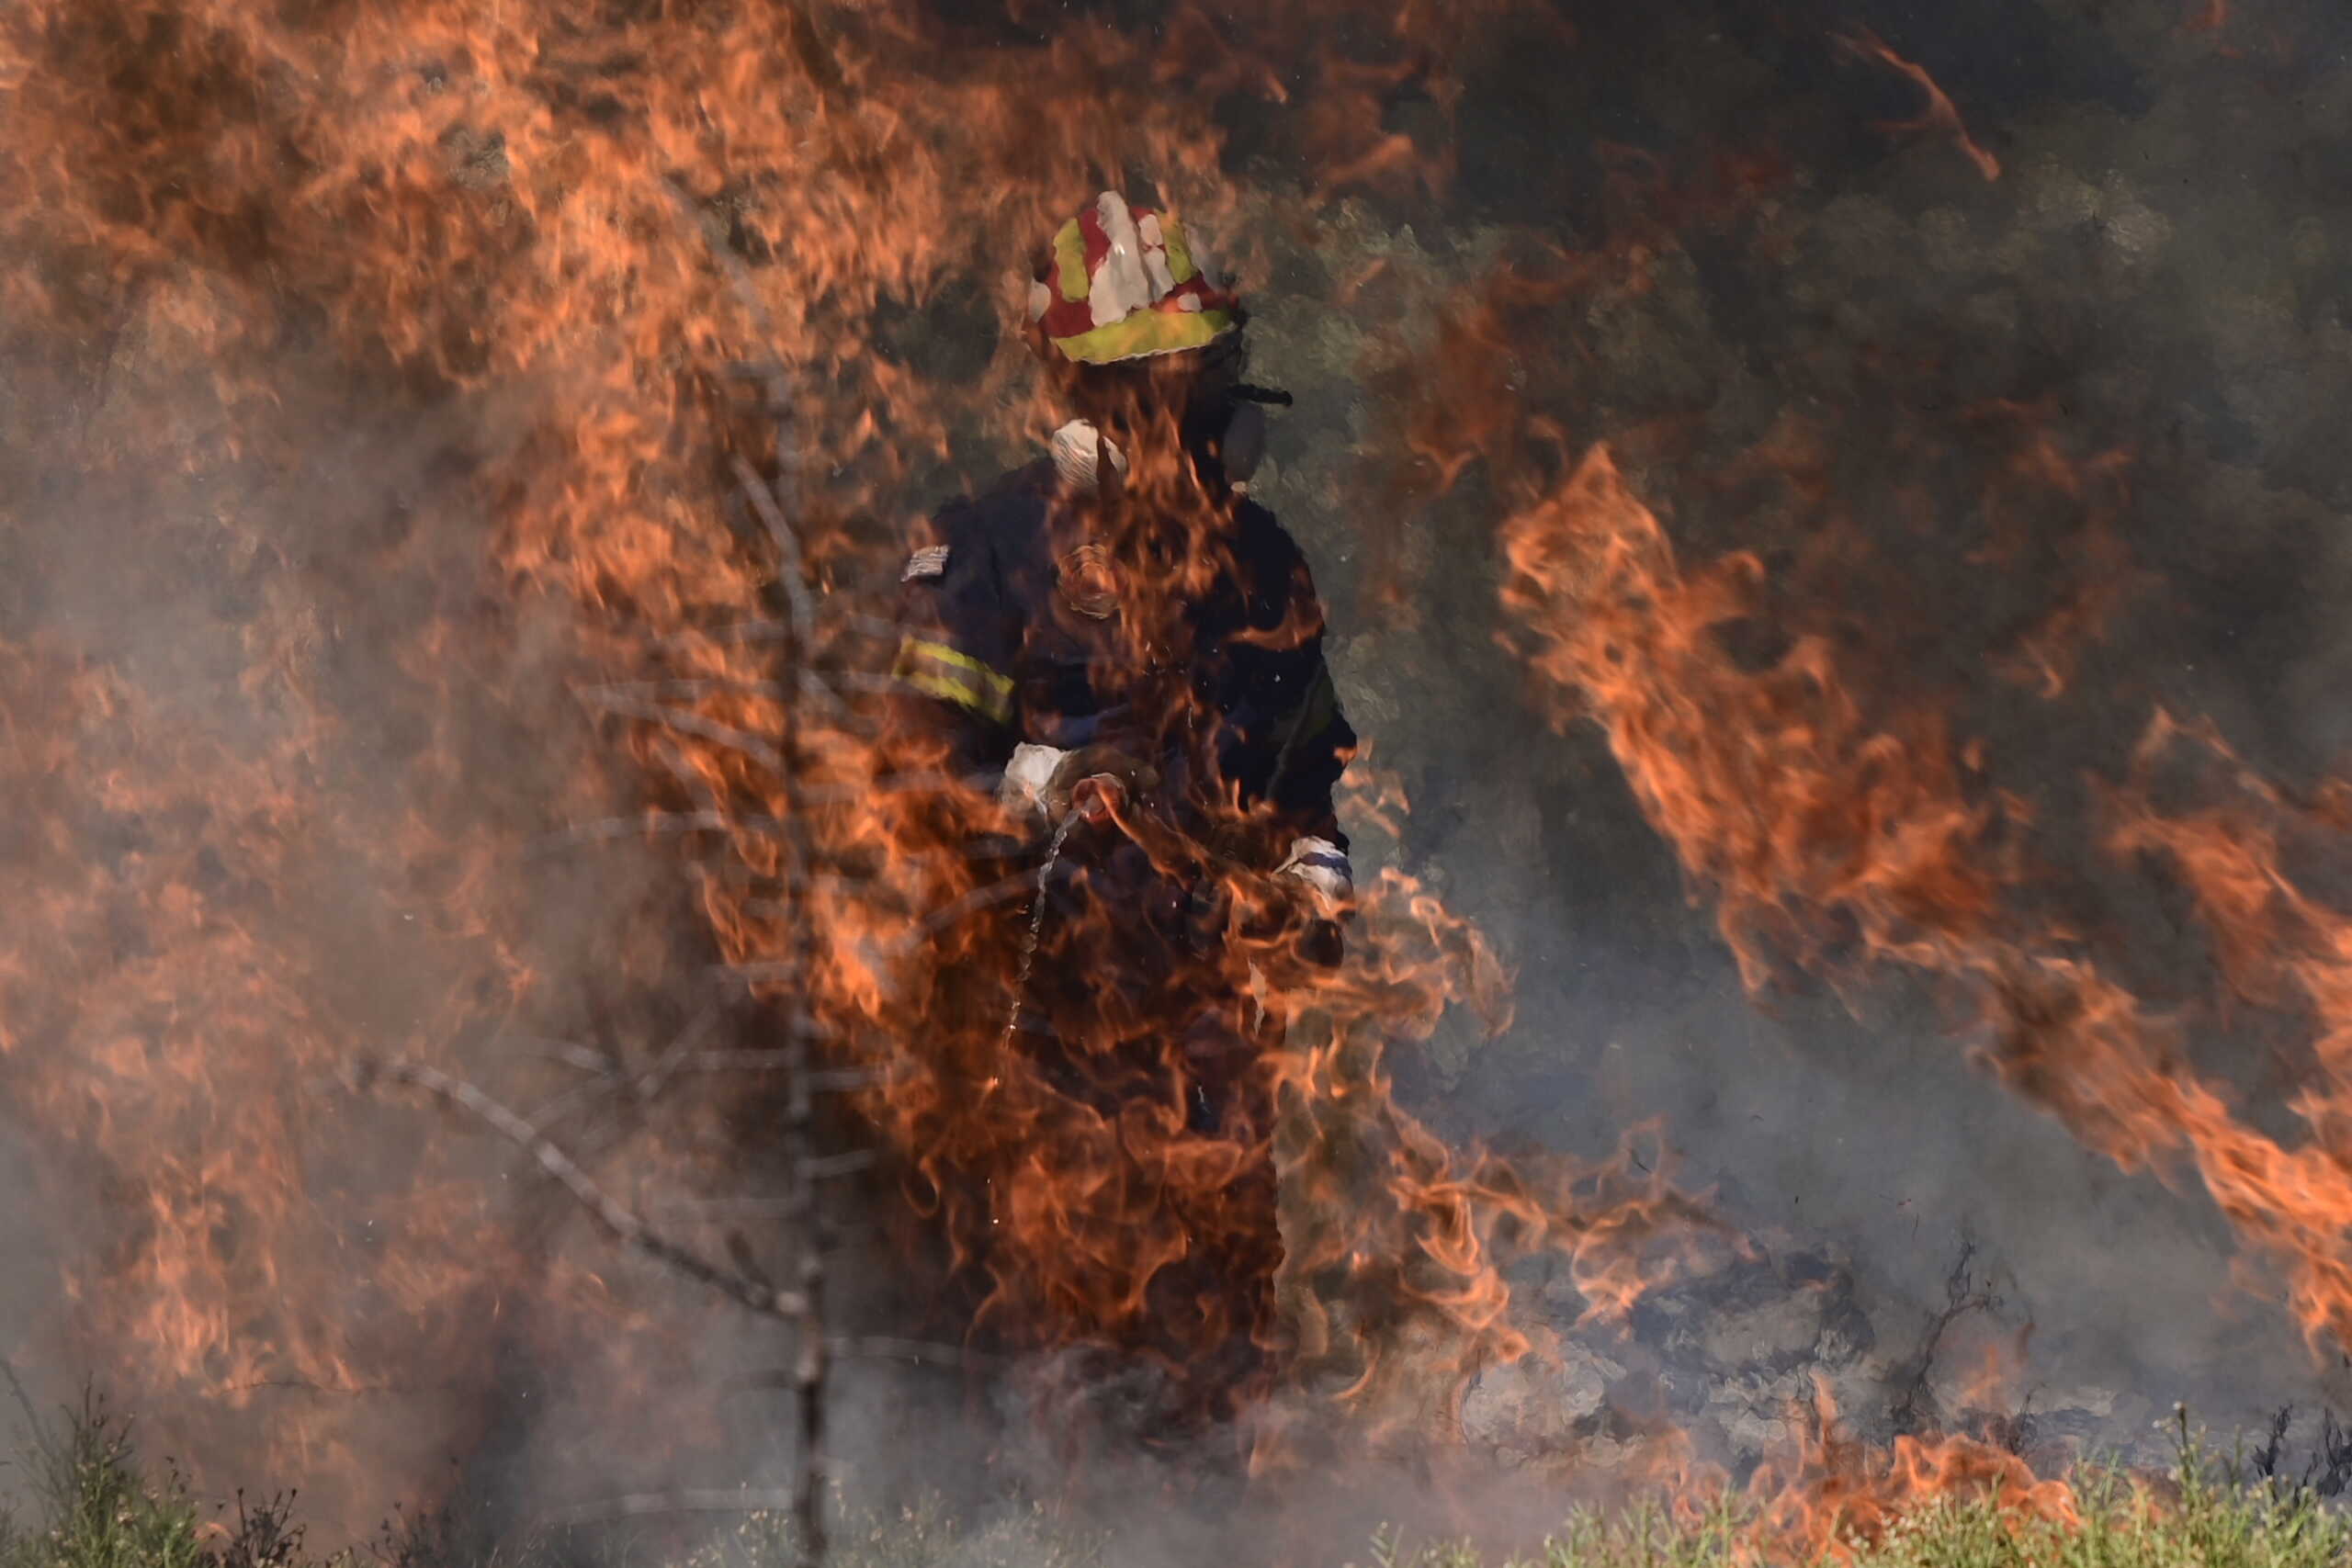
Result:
{"points": [[2213, 1527], [2206, 1521], [99, 1509]]}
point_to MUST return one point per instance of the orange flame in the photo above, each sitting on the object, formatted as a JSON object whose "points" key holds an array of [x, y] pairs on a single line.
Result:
{"points": [[1820, 833], [581, 229], [1836, 1497], [1939, 116]]}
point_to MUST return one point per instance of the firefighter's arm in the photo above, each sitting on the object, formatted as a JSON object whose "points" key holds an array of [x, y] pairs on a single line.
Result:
{"points": [[952, 672], [1314, 755], [1312, 738]]}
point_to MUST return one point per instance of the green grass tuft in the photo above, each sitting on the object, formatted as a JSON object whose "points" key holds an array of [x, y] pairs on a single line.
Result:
{"points": [[100, 1512], [97, 1509], [2199, 1522]]}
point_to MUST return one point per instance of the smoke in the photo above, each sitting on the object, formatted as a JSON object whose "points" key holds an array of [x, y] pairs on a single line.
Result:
{"points": [[2036, 453], [285, 748]]}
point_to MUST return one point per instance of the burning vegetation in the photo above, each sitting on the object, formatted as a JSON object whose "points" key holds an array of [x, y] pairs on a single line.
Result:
{"points": [[502, 887]]}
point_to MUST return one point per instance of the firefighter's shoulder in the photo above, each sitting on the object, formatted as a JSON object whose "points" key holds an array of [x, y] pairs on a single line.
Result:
{"points": [[971, 531], [1267, 550]]}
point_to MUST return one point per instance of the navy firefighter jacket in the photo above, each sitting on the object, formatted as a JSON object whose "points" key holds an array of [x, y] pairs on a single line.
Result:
{"points": [[1013, 631]]}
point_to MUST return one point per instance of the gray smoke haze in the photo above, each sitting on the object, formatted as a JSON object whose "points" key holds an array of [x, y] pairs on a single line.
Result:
{"points": [[2149, 282], [288, 755]]}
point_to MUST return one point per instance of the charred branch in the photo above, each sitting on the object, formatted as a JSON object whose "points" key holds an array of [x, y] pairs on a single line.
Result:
{"points": [[1915, 1405], [2330, 1470], [689, 723], [638, 1087], [610, 1215], [789, 570]]}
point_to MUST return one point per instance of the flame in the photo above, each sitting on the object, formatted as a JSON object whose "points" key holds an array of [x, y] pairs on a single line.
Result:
{"points": [[656, 249], [1836, 1497], [2095, 565], [1774, 787], [1827, 837], [1071, 1174], [1939, 115], [648, 253]]}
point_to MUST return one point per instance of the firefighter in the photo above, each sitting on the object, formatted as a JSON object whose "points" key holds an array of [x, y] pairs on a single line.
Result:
{"points": [[1128, 649], [1084, 631]]}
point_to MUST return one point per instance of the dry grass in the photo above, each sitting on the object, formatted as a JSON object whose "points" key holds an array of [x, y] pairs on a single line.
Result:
{"points": [[98, 1509]]}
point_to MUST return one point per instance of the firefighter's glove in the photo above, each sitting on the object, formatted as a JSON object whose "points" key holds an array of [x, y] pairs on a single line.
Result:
{"points": [[1051, 782], [1323, 867], [1093, 777], [1319, 869]]}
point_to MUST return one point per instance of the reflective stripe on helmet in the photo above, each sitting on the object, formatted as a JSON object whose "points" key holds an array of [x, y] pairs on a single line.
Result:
{"points": [[1144, 333], [1122, 283]]}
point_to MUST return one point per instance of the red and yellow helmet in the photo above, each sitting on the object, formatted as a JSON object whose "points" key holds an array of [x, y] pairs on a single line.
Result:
{"points": [[1121, 282]]}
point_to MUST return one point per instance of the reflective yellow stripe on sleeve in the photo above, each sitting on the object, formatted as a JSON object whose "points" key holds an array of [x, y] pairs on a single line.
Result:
{"points": [[938, 671]]}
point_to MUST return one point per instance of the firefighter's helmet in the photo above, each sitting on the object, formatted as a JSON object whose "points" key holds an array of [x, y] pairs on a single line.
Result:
{"points": [[1121, 282]]}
